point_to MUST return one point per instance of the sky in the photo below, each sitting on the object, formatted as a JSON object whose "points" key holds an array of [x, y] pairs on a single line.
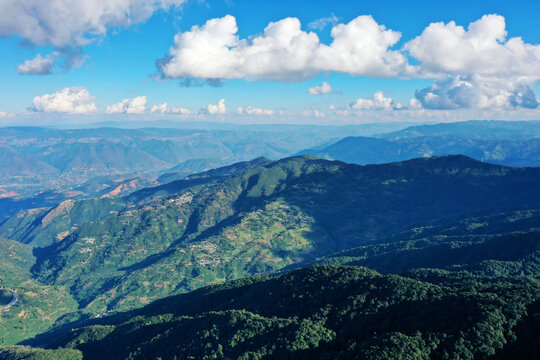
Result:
{"points": [[302, 62]]}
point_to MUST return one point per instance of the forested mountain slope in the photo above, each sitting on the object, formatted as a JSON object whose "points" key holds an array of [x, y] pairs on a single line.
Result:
{"points": [[474, 224], [329, 312], [260, 220]]}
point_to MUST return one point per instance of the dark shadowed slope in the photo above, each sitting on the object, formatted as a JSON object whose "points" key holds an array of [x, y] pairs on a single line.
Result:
{"points": [[328, 312]]}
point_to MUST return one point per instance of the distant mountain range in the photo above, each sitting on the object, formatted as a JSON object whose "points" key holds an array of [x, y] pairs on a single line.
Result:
{"points": [[362, 150], [478, 129], [40, 155], [43, 166], [498, 142], [106, 151], [47, 166], [13, 163]]}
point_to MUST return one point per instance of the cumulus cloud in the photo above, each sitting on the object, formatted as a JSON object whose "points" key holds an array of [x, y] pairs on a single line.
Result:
{"points": [[482, 50], [165, 109], [361, 47], [414, 104], [40, 65], [218, 108], [3, 114], [73, 100], [324, 88], [253, 111], [313, 113], [342, 112], [321, 23], [477, 67], [70, 24], [339, 110], [61, 23], [377, 102], [456, 92], [283, 52], [486, 67], [136, 105]]}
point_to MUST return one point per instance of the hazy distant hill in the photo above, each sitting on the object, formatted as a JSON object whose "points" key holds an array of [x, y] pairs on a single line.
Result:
{"points": [[42, 166], [104, 157], [15, 164], [152, 148], [46, 166], [480, 129], [362, 150]]}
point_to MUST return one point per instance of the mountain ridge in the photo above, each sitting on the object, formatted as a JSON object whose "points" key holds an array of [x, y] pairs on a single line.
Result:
{"points": [[263, 219]]}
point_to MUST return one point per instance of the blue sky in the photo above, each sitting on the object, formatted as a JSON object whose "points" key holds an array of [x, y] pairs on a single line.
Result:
{"points": [[116, 62]]}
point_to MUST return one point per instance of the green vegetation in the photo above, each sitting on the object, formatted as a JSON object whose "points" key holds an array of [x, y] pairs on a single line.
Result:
{"points": [[474, 243], [264, 219], [41, 227], [157, 242], [27, 353], [37, 309], [209, 168], [323, 312], [38, 306], [16, 259], [462, 235]]}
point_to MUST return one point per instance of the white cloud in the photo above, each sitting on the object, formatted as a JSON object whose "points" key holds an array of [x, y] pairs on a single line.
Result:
{"points": [[313, 113], [321, 23], [283, 52], [164, 109], [62, 23], [253, 111], [491, 69], [40, 65], [456, 92], [414, 104], [69, 24], [378, 102], [136, 105], [218, 108], [481, 50], [361, 47], [3, 114], [477, 67], [338, 110], [324, 88], [73, 100]]}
